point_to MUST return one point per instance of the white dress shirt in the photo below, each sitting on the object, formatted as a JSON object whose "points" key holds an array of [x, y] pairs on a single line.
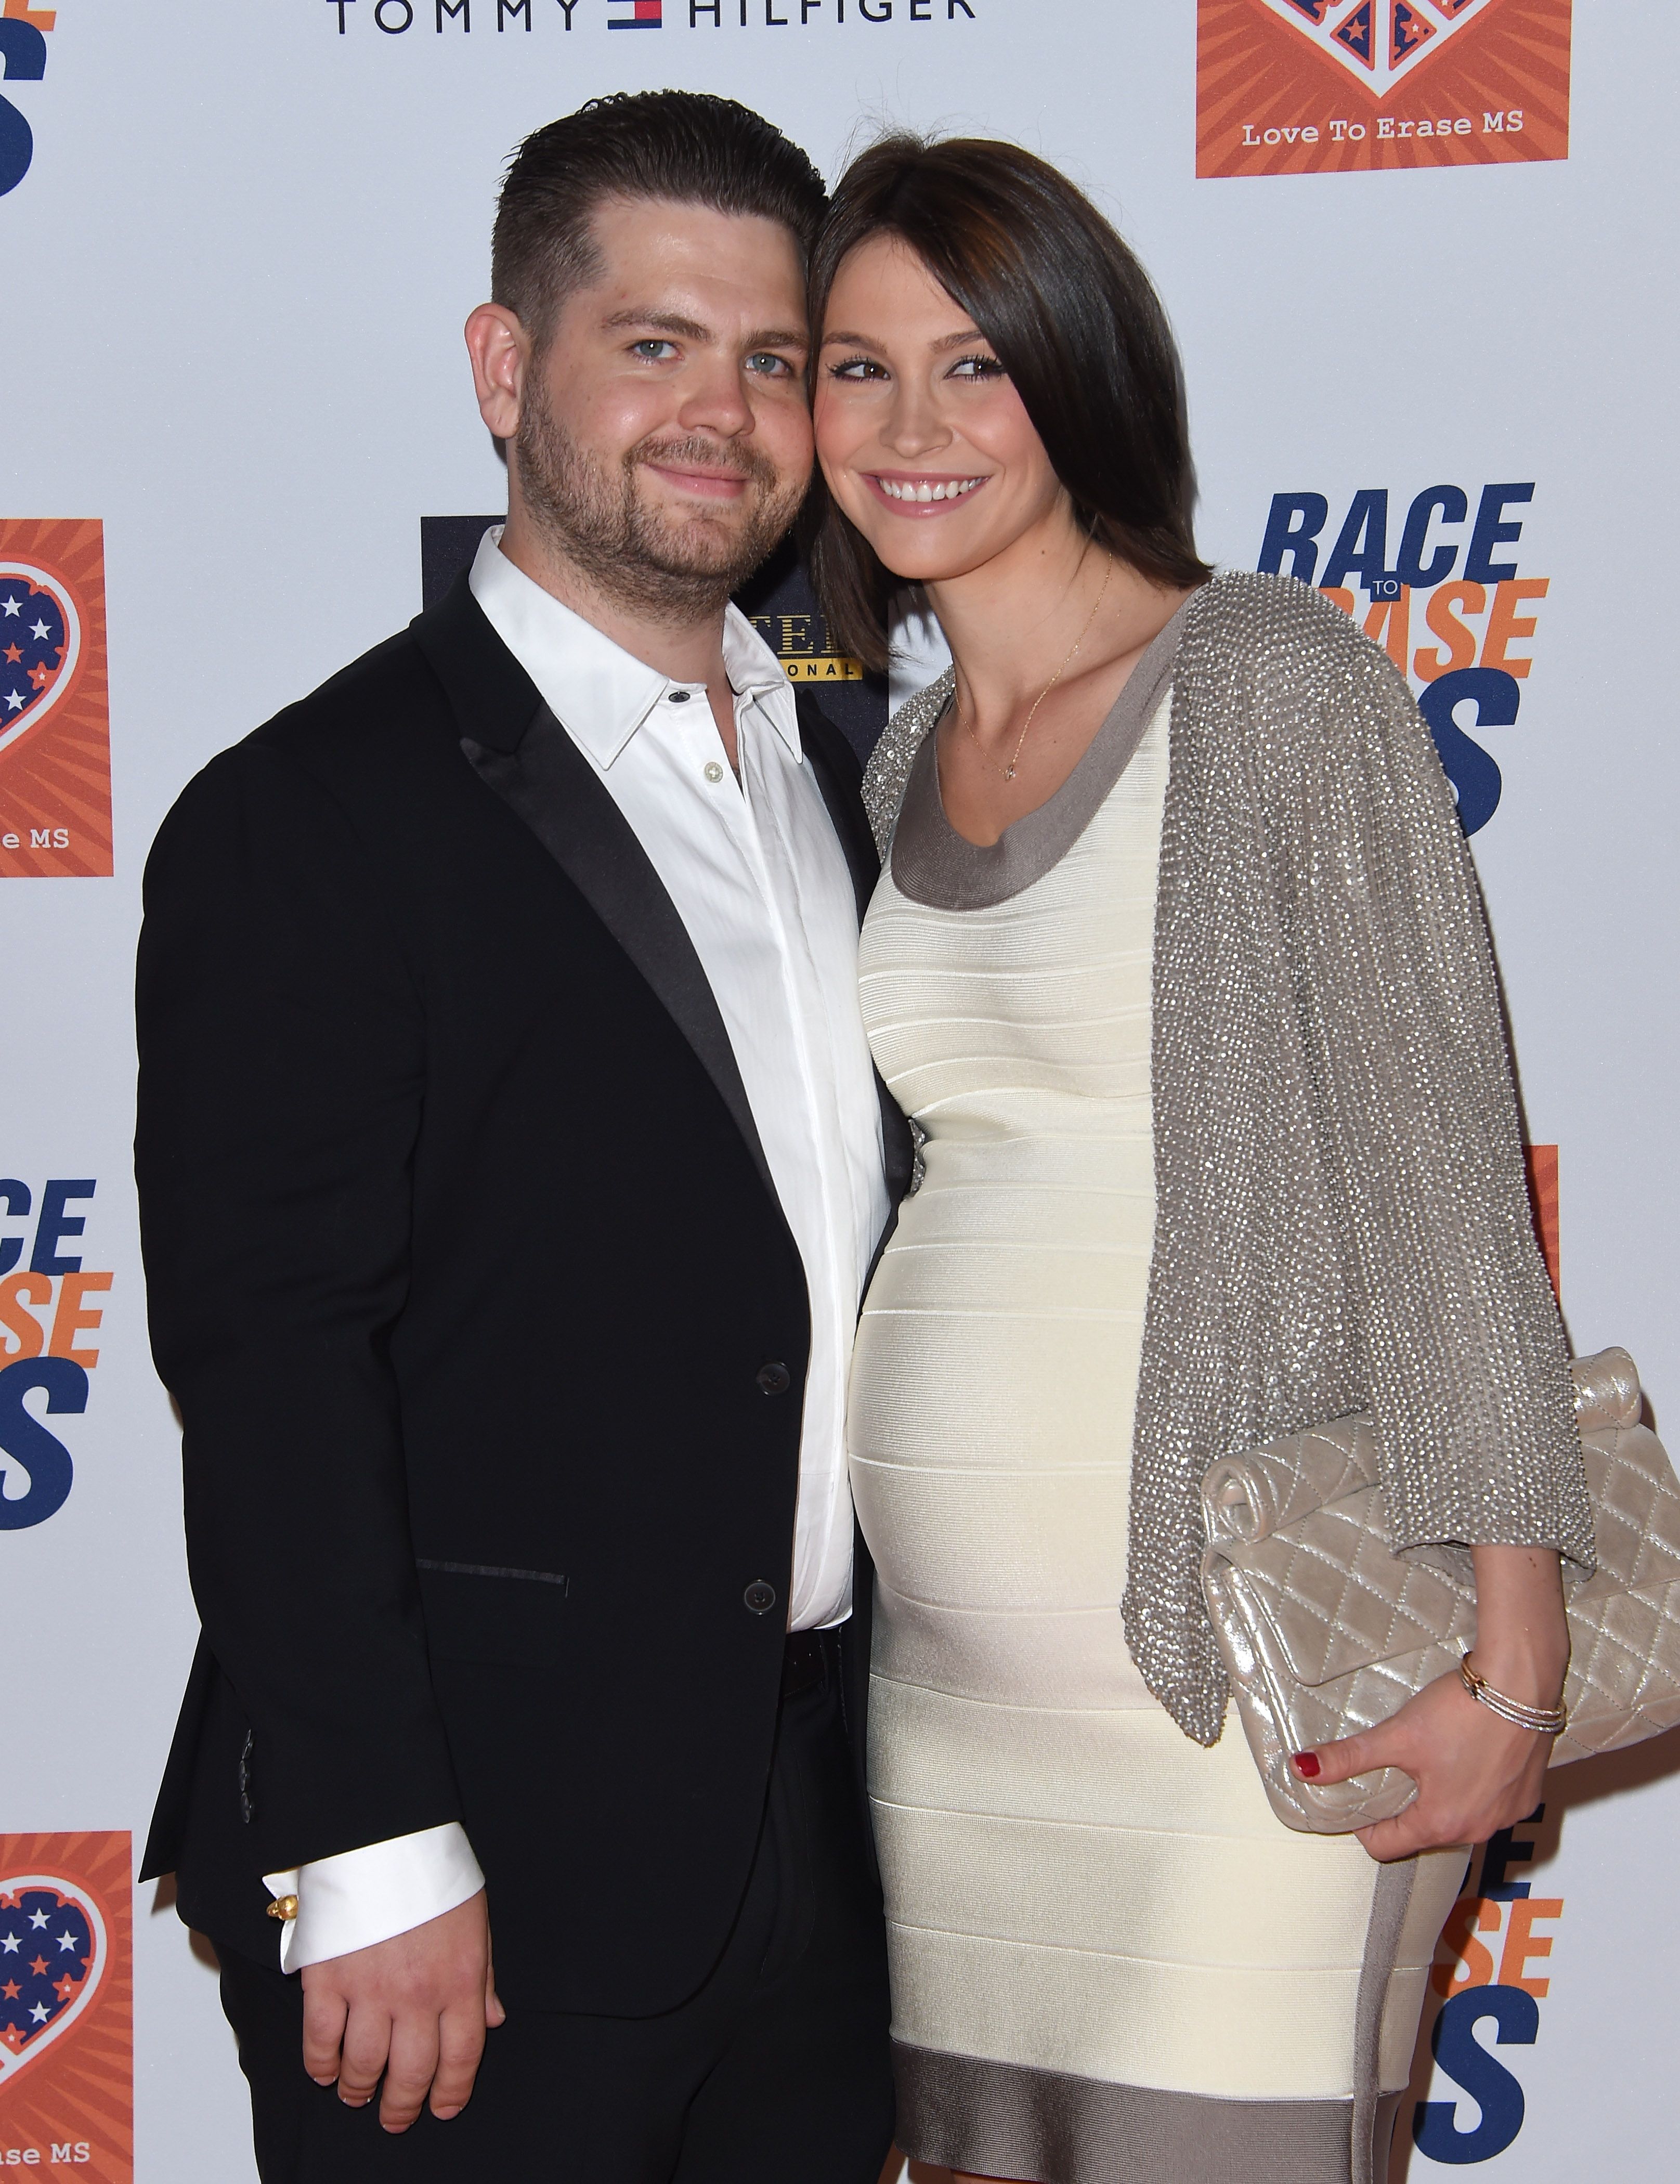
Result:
{"points": [[759, 878]]}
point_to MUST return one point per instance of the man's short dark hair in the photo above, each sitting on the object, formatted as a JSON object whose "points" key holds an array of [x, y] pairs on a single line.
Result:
{"points": [[682, 145]]}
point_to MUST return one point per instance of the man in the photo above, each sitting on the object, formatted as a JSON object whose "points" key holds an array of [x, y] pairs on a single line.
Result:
{"points": [[510, 1162]]}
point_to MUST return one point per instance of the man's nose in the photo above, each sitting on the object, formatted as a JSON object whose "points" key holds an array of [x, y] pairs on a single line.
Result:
{"points": [[715, 400]]}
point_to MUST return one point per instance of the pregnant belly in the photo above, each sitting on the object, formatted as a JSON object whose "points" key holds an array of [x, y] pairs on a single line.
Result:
{"points": [[990, 1431]]}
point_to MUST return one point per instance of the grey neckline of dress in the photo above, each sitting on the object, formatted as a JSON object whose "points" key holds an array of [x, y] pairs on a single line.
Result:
{"points": [[935, 866]]}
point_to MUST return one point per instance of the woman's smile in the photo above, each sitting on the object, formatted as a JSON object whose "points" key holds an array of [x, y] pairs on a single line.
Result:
{"points": [[919, 492]]}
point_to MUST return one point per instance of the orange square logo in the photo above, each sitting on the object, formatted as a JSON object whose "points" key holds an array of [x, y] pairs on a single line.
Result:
{"points": [[55, 742], [67, 2005], [1316, 86]]}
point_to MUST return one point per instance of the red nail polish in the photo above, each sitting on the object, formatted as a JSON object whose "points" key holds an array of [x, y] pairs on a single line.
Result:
{"points": [[1306, 1764]]}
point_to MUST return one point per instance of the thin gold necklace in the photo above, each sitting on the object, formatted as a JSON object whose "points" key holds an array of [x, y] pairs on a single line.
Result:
{"points": [[1007, 771]]}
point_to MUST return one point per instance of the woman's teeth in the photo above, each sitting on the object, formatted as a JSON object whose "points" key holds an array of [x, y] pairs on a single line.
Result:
{"points": [[948, 489]]}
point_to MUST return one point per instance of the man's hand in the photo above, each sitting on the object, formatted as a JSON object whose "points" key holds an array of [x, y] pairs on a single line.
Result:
{"points": [[413, 2009]]}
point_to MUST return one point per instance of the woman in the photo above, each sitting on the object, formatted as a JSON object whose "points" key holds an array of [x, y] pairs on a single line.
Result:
{"points": [[1178, 964]]}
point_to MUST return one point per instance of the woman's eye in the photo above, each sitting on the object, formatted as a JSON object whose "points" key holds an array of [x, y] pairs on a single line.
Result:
{"points": [[858, 367], [978, 367], [654, 350]]}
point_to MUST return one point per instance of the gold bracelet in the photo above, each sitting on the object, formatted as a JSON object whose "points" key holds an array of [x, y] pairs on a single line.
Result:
{"points": [[1544, 1721]]}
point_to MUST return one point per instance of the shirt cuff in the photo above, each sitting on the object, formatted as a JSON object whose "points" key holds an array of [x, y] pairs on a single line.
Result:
{"points": [[369, 1895]]}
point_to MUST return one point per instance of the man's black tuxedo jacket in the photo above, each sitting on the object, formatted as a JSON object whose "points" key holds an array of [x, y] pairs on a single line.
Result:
{"points": [[464, 1266]]}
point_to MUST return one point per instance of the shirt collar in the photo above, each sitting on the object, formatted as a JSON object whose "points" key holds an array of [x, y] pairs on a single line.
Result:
{"points": [[600, 693]]}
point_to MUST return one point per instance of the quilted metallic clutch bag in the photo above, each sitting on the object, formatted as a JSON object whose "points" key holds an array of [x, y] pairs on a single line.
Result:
{"points": [[1325, 1633]]}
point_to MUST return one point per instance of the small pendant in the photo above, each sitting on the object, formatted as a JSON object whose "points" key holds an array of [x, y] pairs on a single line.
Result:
{"points": [[1009, 773]]}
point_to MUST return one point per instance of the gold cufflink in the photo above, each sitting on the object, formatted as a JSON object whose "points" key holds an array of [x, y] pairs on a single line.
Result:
{"points": [[283, 1907]]}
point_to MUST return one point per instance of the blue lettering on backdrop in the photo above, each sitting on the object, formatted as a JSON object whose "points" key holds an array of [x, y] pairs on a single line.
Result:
{"points": [[1466, 2062], [43, 1456], [1502, 1853], [24, 50], [1297, 520], [1491, 530], [55, 1224], [1473, 771], [14, 1196], [1453, 505], [1363, 541], [1291, 532]]}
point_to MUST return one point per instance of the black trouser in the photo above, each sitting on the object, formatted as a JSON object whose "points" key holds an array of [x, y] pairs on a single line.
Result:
{"points": [[777, 2068]]}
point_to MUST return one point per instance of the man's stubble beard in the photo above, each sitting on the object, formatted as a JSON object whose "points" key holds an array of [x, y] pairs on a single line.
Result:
{"points": [[680, 570]]}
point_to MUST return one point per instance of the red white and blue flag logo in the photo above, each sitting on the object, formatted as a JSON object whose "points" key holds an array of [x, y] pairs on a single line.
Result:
{"points": [[1379, 40], [637, 15], [53, 1958]]}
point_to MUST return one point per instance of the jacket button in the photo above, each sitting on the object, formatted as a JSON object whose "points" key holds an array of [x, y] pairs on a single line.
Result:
{"points": [[759, 1597], [775, 1378]]}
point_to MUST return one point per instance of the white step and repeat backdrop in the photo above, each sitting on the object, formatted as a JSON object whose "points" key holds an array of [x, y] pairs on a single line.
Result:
{"points": [[1416, 257]]}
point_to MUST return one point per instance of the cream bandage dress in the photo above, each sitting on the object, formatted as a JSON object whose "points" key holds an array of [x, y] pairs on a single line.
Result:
{"points": [[1111, 1964]]}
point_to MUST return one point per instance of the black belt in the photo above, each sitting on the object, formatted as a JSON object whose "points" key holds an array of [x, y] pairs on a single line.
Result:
{"points": [[809, 1657]]}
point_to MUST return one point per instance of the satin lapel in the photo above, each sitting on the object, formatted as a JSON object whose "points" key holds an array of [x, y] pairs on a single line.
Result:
{"points": [[553, 789]]}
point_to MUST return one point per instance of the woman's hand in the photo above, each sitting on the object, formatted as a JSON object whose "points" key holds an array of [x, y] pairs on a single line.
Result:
{"points": [[1475, 1773]]}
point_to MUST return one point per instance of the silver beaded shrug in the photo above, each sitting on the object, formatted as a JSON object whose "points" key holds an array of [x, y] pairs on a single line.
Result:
{"points": [[1341, 1216]]}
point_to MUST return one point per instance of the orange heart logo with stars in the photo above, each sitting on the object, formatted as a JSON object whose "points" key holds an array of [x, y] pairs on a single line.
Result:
{"points": [[53, 1958]]}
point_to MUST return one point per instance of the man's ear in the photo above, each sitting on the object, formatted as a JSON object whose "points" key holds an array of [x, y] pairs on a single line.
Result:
{"points": [[500, 351]]}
